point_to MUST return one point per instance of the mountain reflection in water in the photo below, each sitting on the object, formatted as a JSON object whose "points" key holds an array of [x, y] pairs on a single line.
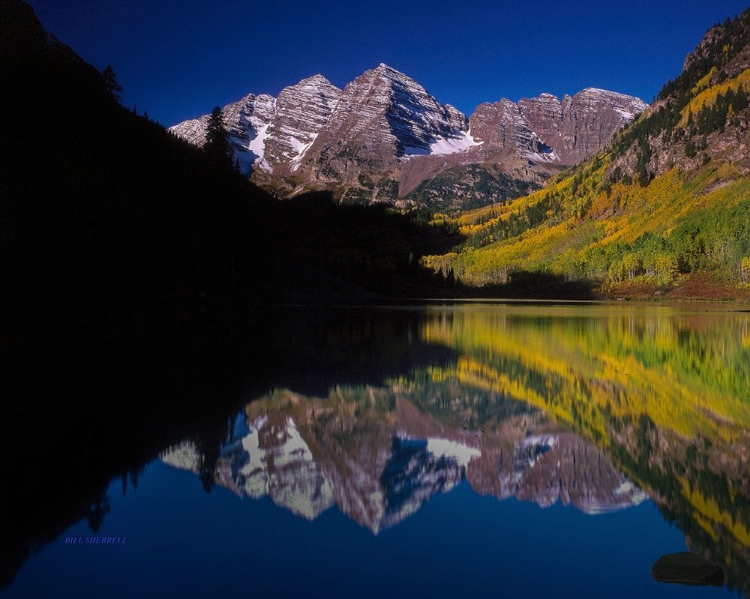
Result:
{"points": [[375, 456], [375, 413], [594, 406]]}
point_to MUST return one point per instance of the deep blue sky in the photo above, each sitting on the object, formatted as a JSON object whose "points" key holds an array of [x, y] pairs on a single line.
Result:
{"points": [[177, 59]]}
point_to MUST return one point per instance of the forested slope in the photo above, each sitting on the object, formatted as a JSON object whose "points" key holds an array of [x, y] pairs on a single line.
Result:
{"points": [[666, 210]]}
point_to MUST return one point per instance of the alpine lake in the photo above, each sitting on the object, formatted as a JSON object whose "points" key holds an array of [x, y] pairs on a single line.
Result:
{"points": [[449, 449]]}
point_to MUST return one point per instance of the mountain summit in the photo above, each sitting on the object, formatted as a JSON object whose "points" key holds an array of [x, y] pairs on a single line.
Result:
{"points": [[389, 115], [385, 138]]}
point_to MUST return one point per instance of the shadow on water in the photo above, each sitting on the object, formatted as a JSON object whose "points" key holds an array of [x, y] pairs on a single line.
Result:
{"points": [[88, 398], [73, 420]]}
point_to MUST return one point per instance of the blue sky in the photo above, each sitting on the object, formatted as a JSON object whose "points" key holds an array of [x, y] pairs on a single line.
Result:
{"points": [[177, 59]]}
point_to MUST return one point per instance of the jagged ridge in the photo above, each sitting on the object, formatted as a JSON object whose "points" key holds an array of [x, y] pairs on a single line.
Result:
{"points": [[384, 134]]}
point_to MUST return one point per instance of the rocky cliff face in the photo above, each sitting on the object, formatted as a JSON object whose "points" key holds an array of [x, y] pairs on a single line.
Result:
{"points": [[272, 133], [382, 116], [547, 129], [385, 135], [562, 467], [383, 107], [589, 121], [302, 111], [500, 126], [247, 121]]}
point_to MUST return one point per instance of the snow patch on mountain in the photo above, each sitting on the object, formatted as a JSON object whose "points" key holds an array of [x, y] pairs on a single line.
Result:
{"points": [[276, 461], [302, 110], [627, 115], [452, 145], [184, 456], [549, 156], [258, 145], [301, 151], [246, 121]]}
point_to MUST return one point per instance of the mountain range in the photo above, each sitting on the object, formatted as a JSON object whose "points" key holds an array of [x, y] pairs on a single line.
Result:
{"points": [[385, 138], [123, 209]]}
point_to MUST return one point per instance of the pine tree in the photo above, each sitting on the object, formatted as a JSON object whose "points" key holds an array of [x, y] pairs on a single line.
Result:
{"points": [[740, 101], [690, 149], [217, 139], [110, 81]]}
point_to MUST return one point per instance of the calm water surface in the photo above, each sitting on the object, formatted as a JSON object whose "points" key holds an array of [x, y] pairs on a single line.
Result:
{"points": [[418, 451]]}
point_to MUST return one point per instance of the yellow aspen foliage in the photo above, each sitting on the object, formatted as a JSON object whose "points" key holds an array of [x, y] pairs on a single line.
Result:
{"points": [[703, 83], [708, 96], [745, 270], [665, 267]]}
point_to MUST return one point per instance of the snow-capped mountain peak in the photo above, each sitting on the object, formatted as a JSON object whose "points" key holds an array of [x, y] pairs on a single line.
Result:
{"points": [[385, 127]]}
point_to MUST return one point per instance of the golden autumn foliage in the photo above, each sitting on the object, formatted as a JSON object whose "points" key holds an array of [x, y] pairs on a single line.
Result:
{"points": [[613, 233], [615, 358], [707, 96]]}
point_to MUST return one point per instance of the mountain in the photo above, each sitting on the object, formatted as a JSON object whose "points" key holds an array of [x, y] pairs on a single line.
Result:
{"points": [[127, 255], [546, 129], [302, 111], [517, 146], [385, 138], [272, 133], [662, 211], [662, 391], [579, 126], [699, 117], [383, 116]]}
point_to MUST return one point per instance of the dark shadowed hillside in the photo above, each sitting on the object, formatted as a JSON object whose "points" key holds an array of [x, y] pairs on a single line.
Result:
{"points": [[99, 203]]}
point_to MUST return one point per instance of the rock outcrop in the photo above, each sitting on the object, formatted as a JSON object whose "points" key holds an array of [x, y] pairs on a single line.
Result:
{"points": [[547, 129], [382, 116], [687, 568], [302, 111], [247, 121]]}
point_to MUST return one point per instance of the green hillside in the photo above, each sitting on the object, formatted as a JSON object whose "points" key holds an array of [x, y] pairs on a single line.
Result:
{"points": [[665, 211]]}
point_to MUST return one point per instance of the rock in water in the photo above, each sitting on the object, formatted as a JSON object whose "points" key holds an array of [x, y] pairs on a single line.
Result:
{"points": [[687, 568]]}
